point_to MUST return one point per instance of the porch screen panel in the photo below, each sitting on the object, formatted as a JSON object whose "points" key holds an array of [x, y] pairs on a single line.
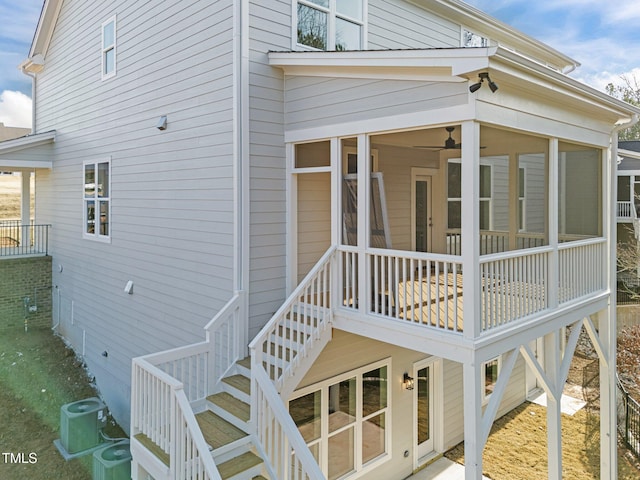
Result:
{"points": [[580, 192], [532, 200]]}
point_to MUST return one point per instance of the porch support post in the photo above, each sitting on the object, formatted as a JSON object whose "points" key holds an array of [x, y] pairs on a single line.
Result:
{"points": [[25, 209], [470, 228], [554, 430], [292, 214], [473, 433], [553, 209], [608, 407], [364, 181]]}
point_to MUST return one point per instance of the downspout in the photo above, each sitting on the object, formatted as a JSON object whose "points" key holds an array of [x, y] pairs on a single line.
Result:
{"points": [[242, 167]]}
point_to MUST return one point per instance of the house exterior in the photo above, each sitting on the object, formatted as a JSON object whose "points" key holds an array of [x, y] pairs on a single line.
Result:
{"points": [[320, 239], [628, 226]]}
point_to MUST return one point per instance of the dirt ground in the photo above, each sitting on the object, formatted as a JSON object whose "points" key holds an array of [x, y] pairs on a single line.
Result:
{"points": [[525, 429], [38, 375]]}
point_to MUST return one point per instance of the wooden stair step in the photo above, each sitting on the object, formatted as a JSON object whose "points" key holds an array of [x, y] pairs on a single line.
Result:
{"points": [[245, 362], [217, 431], [231, 404], [238, 464], [153, 448], [239, 382]]}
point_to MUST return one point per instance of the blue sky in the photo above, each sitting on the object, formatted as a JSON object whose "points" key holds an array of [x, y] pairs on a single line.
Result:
{"points": [[602, 36]]}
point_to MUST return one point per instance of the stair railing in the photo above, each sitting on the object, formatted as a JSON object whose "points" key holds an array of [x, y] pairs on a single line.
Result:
{"points": [[276, 352], [162, 413], [287, 453], [308, 309], [166, 386]]}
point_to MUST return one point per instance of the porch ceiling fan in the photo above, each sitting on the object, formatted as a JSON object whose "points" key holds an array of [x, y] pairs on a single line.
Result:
{"points": [[449, 143]]}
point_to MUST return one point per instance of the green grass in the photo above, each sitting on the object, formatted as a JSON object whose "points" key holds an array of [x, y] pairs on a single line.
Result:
{"points": [[38, 375]]}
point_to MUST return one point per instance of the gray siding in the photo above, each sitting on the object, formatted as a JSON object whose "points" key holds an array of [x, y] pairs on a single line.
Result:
{"points": [[270, 29], [318, 101], [172, 192], [400, 24]]}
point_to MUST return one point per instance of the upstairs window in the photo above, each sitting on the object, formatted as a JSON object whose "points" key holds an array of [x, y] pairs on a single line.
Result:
{"points": [[330, 24], [109, 48], [472, 39], [97, 199]]}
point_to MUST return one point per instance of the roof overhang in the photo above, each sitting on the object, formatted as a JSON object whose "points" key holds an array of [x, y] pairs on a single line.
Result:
{"points": [[26, 152], [42, 37], [454, 65]]}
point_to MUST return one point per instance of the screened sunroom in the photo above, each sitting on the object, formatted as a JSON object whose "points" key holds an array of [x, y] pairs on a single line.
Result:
{"points": [[463, 228]]}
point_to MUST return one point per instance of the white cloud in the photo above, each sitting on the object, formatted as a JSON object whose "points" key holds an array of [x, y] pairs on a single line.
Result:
{"points": [[15, 109]]}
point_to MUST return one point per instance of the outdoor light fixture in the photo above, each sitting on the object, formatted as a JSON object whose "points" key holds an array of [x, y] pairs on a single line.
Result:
{"points": [[483, 76], [407, 382]]}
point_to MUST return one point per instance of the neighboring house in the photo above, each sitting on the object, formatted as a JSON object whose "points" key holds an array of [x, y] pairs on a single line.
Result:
{"points": [[398, 229], [627, 211], [9, 133]]}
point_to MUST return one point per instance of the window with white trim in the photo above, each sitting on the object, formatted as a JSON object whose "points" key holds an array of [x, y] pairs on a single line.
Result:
{"points": [[522, 199], [109, 48], [472, 39], [346, 420], [97, 199], [486, 222], [490, 372], [330, 24]]}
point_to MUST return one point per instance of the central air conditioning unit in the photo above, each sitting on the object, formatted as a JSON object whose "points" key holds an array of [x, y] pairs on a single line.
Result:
{"points": [[112, 462], [81, 424]]}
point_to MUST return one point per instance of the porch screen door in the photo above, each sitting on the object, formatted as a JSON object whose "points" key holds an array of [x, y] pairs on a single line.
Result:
{"points": [[422, 219], [423, 392]]}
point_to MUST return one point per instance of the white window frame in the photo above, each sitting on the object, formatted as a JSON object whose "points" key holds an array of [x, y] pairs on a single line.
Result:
{"points": [[332, 15], [487, 200], [483, 379], [522, 201], [96, 235], [360, 469], [464, 31], [108, 48]]}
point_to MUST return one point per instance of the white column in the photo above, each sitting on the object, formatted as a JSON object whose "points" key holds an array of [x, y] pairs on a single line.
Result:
{"points": [[470, 227], [364, 204], [473, 436], [554, 431], [552, 227], [25, 209]]}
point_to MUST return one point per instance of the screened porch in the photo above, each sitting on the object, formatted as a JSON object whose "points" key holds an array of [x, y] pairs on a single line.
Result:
{"points": [[503, 235]]}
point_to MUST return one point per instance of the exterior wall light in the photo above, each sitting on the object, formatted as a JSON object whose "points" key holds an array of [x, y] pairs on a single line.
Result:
{"points": [[407, 382], [483, 76], [162, 123]]}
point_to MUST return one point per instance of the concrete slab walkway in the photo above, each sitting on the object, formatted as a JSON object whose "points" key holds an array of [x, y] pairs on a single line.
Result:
{"points": [[441, 469]]}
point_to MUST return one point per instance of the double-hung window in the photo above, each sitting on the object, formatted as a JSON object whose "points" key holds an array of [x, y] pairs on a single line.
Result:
{"points": [[97, 199], [109, 48], [346, 421], [330, 24]]}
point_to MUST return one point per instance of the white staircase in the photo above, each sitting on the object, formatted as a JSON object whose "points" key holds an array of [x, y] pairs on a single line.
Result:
{"points": [[243, 431]]}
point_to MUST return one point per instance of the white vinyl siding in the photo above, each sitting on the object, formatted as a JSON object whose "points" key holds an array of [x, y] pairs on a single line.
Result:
{"points": [[172, 191], [314, 219], [270, 29], [399, 24], [318, 101]]}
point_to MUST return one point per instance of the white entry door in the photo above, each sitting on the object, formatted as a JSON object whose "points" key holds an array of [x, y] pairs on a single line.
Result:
{"points": [[424, 400]]}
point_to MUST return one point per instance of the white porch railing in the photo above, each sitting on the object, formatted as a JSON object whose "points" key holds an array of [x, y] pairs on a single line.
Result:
{"points": [[427, 290], [582, 268], [625, 209], [281, 352], [416, 287], [513, 286], [166, 385]]}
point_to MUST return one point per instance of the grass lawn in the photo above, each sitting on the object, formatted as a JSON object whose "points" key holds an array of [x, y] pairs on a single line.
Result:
{"points": [[38, 375]]}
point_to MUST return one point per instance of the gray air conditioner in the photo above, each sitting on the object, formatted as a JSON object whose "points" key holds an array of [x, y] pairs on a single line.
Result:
{"points": [[81, 424], [112, 462]]}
